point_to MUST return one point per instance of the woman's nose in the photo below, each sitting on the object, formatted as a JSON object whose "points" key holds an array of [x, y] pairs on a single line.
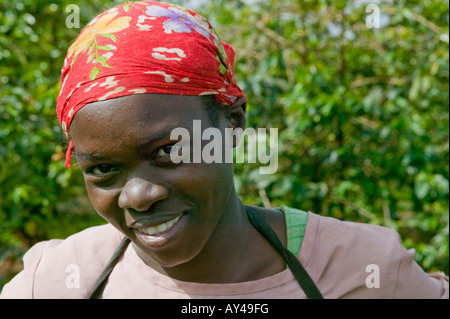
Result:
{"points": [[140, 194]]}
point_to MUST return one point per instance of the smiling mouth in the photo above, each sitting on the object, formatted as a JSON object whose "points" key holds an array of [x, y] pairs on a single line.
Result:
{"points": [[159, 229]]}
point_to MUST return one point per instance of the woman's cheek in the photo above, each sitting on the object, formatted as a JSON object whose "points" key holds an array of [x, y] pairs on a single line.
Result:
{"points": [[200, 179], [201, 186], [105, 203]]}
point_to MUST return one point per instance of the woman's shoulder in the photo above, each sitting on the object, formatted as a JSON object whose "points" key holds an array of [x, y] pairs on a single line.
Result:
{"points": [[91, 242], [371, 243], [65, 268], [358, 260], [93, 236]]}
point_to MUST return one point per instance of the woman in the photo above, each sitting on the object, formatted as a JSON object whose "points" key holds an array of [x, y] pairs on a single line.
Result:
{"points": [[135, 74]]}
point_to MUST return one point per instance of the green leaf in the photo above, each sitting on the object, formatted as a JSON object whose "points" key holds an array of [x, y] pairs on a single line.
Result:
{"points": [[104, 47], [90, 49], [73, 60], [422, 186], [102, 60], [94, 72], [222, 68], [109, 36], [89, 44], [90, 58]]}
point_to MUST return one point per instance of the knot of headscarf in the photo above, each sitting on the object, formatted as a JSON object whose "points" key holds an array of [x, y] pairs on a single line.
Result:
{"points": [[145, 47]]}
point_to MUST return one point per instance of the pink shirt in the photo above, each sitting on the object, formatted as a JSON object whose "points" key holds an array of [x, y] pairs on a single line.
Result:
{"points": [[345, 260]]}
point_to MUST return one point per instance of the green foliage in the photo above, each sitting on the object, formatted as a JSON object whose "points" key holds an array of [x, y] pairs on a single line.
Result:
{"points": [[39, 198], [362, 116]]}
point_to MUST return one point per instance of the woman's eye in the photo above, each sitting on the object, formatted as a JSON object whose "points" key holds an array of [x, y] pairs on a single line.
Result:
{"points": [[164, 152], [101, 169]]}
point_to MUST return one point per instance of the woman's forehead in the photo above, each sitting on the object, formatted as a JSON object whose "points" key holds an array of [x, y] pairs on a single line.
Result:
{"points": [[154, 113], [153, 105]]}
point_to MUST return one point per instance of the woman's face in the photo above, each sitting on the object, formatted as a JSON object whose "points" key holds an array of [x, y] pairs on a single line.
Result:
{"points": [[168, 210]]}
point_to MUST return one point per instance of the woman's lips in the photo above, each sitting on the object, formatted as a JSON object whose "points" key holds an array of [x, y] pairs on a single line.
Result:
{"points": [[159, 235], [155, 230]]}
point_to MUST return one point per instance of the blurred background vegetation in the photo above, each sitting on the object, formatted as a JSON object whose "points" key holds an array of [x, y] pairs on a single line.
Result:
{"points": [[362, 115]]}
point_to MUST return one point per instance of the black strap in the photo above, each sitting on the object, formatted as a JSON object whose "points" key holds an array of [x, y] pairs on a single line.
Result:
{"points": [[299, 272], [97, 291]]}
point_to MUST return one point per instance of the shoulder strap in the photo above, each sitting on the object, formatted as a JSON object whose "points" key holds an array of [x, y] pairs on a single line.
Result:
{"points": [[97, 291], [299, 272]]}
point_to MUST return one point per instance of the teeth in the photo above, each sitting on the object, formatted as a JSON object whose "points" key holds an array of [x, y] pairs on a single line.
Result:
{"points": [[159, 228]]}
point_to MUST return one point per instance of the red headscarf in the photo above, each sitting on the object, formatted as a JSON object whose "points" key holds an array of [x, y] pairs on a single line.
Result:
{"points": [[145, 47]]}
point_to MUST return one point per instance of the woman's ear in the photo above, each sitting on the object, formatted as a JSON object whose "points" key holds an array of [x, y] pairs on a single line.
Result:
{"points": [[235, 113]]}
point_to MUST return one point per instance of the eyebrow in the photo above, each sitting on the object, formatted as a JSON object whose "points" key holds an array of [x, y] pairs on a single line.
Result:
{"points": [[89, 156], [157, 137]]}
